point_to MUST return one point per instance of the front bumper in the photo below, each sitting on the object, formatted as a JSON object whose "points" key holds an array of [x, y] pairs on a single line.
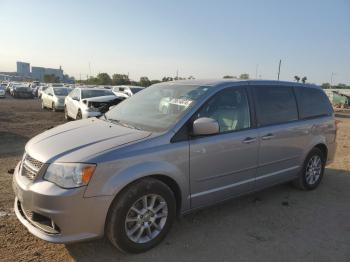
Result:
{"points": [[73, 217], [23, 94], [87, 114], [59, 106]]}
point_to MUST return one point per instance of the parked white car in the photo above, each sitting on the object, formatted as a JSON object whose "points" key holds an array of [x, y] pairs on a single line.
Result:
{"points": [[126, 91], [89, 102], [53, 97], [2, 91]]}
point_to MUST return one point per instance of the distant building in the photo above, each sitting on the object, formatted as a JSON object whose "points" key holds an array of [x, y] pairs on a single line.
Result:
{"points": [[23, 69], [38, 73]]}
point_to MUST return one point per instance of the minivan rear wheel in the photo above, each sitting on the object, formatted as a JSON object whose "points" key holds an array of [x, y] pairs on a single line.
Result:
{"points": [[312, 172], [141, 216]]}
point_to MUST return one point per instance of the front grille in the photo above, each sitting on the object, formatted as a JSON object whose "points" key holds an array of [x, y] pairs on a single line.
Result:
{"points": [[42, 222], [30, 167]]}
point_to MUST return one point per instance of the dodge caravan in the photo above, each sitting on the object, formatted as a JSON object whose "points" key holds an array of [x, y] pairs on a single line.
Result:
{"points": [[170, 149]]}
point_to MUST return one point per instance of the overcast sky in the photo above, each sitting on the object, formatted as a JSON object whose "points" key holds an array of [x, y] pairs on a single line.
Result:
{"points": [[206, 39]]}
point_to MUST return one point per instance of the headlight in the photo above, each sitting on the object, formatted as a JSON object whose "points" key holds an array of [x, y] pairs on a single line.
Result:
{"points": [[69, 175]]}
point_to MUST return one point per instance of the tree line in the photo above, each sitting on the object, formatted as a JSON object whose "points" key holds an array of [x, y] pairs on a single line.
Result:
{"points": [[122, 79]]}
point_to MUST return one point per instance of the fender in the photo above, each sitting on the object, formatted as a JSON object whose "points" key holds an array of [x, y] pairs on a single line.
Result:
{"points": [[124, 176]]}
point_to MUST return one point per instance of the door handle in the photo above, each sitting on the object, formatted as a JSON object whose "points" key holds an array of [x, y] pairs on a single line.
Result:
{"points": [[249, 140], [267, 137]]}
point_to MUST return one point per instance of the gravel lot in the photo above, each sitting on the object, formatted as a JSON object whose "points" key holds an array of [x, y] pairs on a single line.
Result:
{"points": [[277, 224]]}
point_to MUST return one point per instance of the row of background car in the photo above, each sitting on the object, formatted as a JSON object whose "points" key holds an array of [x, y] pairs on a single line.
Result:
{"points": [[84, 101], [35, 88]]}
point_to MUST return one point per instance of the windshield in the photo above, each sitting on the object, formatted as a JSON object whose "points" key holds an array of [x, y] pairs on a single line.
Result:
{"points": [[158, 107], [87, 93], [134, 90], [57, 85], [60, 91]]}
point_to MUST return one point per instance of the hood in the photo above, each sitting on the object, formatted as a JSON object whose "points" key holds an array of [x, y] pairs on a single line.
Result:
{"points": [[81, 140], [101, 98]]}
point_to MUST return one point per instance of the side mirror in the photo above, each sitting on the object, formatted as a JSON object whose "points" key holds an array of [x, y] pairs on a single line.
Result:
{"points": [[205, 126]]}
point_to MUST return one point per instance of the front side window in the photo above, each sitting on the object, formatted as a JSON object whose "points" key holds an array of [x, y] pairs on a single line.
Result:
{"points": [[157, 107], [313, 102], [230, 108], [275, 105]]}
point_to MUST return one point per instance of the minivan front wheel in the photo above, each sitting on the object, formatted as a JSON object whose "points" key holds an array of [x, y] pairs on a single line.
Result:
{"points": [[312, 172], [141, 216]]}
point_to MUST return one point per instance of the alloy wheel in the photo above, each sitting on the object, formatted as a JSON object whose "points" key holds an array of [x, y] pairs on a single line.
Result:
{"points": [[313, 170], [146, 218]]}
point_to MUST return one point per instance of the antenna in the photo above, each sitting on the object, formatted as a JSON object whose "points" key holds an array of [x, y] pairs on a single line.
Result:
{"points": [[279, 69]]}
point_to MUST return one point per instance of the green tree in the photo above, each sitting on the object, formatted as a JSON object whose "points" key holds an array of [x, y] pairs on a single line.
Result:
{"points": [[244, 76], [144, 81], [228, 76], [297, 78], [92, 81], [167, 78], [51, 79], [326, 85], [340, 86], [155, 81], [104, 79], [120, 79], [304, 79]]}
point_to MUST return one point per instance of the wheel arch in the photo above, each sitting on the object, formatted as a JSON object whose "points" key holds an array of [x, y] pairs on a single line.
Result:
{"points": [[324, 150], [167, 180]]}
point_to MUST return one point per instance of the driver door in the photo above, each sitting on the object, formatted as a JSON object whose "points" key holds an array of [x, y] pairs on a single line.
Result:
{"points": [[224, 165]]}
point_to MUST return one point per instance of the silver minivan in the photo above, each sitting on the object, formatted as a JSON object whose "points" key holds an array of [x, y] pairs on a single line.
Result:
{"points": [[170, 149]]}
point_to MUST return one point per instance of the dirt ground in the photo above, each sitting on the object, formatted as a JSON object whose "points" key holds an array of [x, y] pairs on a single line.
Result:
{"points": [[277, 224]]}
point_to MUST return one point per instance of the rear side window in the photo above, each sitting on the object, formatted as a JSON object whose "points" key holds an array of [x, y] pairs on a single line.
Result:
{"points": [[275, 105], [313, 103]]}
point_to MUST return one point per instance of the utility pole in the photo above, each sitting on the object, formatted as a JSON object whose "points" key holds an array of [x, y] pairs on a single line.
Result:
{"points": [[89, 69], [256, 71], [177, 74], [332, 75], [279, 69]]}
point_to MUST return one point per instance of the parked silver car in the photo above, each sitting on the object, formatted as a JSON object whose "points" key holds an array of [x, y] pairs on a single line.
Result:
{"points": [[130, 172]]}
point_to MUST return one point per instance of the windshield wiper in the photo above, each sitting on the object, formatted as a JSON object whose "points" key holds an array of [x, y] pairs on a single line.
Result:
{"points": [[116, 121]]}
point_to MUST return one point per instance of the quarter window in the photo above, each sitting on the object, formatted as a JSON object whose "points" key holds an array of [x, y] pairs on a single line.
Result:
{"points": [[313, 102], [275, 105], [230, 108]]}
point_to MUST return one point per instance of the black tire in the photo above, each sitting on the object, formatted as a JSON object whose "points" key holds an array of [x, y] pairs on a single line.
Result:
{"points": [[53, 107], [116, 226], [79, 116], [301, 182]]}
